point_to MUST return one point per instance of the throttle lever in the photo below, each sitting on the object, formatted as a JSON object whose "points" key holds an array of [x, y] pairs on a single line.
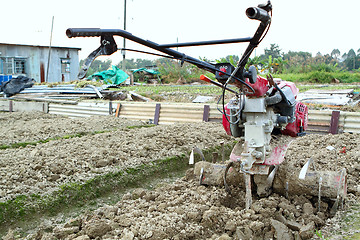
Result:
{"points": [[108, 46]]}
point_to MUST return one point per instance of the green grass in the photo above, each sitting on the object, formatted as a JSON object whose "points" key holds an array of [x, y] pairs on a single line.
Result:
{"points": [[24, 144], [140, 126], [150, 91], [320, 234], [158, 89], [349, 226], [320, 77], [351, 222]]}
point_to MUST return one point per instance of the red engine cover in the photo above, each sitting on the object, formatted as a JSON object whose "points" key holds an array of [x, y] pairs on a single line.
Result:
{"points": [[261, 86], [291, 85], [300, 123]]}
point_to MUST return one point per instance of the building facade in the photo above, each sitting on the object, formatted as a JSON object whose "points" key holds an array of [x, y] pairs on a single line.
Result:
{"points": [[33, 61]]}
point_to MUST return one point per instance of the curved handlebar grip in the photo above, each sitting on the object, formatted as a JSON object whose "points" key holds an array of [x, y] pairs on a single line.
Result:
{"points": [[83, 32], [257, 14]]}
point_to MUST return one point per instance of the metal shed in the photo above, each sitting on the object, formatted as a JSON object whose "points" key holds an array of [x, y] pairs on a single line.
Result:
{"points": [[32, 61]]}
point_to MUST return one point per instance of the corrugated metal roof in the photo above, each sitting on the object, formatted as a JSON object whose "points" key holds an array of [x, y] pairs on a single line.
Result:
{"points": [[28, 45], [65, 89]]}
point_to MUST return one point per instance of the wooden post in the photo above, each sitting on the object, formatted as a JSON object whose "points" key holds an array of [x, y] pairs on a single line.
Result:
{"points": [[157, 114], [110, 108], [46, 107], [206, 113], [334, 124], [10, 106], [117, 113]]}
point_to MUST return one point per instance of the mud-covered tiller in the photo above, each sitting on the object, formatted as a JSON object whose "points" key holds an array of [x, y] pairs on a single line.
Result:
{"points": [[260, 107]]}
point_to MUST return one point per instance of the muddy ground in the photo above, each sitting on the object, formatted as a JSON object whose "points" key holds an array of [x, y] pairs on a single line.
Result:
{"points": [[180, 210]]}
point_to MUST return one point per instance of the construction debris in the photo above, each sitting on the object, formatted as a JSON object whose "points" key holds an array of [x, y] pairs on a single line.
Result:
{"points": [[72, 92], [16, 85], [338, 97], [138, 97], [202, 99]]}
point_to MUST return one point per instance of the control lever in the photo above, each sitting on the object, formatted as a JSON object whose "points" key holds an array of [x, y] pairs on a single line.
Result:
{"points": [[251, 74], [209, 80]]}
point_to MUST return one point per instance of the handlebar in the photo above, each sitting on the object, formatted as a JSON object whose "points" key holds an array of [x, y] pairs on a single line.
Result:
{"points": [[258, 14], [82, 32], [108, 45], [94, 32]]}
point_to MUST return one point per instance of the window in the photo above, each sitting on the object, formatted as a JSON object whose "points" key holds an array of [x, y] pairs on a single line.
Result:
{"points": [[65, 65], [12, 65], [19, 66]]}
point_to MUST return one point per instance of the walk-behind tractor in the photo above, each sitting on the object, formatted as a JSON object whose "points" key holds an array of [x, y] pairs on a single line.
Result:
{"points": [[260, 109]]}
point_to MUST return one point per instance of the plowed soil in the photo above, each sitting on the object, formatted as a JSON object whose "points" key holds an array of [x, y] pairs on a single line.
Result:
{"points": [[179, 210]]}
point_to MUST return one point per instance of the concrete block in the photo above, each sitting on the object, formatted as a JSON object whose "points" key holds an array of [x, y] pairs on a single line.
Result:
{"points": [[30, 106]]}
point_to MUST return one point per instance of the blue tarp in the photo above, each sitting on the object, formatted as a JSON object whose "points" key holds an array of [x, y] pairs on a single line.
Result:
{"points": [[112, 76]]}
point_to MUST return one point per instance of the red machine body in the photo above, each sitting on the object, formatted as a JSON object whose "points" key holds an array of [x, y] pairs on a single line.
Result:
{"points": [[261, 87], [300, 123]]}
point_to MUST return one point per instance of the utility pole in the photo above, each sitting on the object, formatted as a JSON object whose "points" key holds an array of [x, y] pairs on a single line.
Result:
{"points": [[123, 51], [48, 65]]}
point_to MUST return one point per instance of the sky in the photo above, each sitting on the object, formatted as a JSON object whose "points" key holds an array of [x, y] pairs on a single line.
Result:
{"points": [[302, 25]]}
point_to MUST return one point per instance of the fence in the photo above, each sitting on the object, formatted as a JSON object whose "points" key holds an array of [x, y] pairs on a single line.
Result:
{"points": [[153, 112], [168, 113]]}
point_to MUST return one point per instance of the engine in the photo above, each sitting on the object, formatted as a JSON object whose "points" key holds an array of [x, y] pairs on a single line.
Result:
{"points": [[270, 108]]}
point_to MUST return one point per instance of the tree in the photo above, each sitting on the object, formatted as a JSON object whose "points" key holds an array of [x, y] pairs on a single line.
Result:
{"points": [[335, 54], [141, 63], [232, 58], [274, 51], [297, 62], [351, 59]]}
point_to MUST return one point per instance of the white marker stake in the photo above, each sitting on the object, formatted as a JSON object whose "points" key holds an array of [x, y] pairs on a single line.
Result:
{"points": [[191, 160], [304, 169]]}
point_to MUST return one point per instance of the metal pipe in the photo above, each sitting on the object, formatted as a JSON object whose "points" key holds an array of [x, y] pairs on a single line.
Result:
{"points": [[97, 32], [203, 43]]}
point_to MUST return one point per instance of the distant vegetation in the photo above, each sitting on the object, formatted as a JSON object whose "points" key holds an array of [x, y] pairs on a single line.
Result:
{"points": [[291, 66]]}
